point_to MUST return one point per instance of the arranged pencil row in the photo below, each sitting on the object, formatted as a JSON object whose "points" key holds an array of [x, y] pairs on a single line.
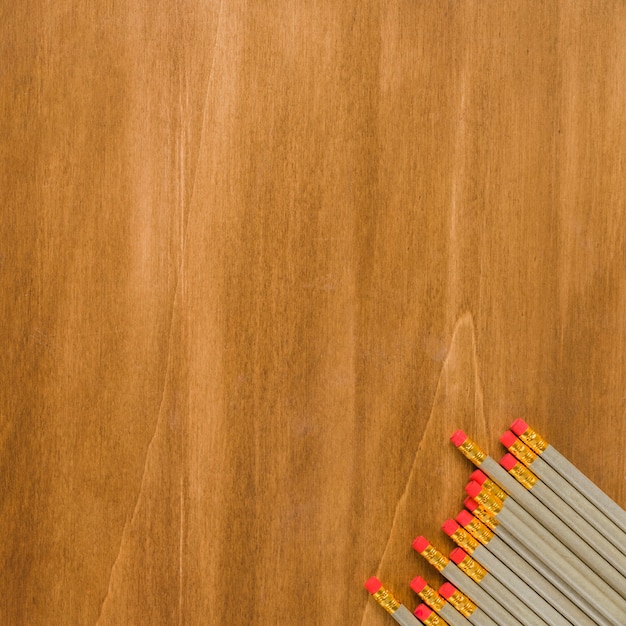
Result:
{"points": [[538, 544]]}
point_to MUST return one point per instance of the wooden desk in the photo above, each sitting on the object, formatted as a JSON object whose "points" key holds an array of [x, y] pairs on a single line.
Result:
{"points": [[260, 259]]}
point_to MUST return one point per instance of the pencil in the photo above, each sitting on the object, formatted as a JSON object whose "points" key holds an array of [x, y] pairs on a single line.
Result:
{"points": [[465, 606], [553, 553], [607, 527], [572, 518], [437, 603], [495, 567], [572, 474], [526, 572], [451, 572], [539, 563], [384, 597], [495, 588], [542, 516]]}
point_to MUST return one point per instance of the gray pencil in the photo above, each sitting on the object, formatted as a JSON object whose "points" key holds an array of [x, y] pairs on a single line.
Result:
{"points": [[495, 588], [437, 603], [538, 562], [544, 517], [572, 518], [572, 474], [525, 570], [566, 491], [504, 574], [385, 598], [552, 552], [451, 572], [465, 606]]}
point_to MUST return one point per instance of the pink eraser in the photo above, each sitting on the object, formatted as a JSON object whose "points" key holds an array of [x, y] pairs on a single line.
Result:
{"points": [[508, 462], [373, 584], [458, 438], [508, 439], [417, 584], [423, 612], [450, 527], [473, 489], [420, 544], [519, 427], [457, 555], [465, 517], [478, 476], [447, 590], [470, 504]]}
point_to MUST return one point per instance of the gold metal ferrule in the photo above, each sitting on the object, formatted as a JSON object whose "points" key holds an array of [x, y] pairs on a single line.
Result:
{"points": [[472, 451], [523, 475], [473, 569], [464, 540], [534, 440], [522, 453], [491, 503], [462, 603], [434, 620], [495, 490], [435, 558], [432, 598], [485, 517], [386, 600], [480, 531]]}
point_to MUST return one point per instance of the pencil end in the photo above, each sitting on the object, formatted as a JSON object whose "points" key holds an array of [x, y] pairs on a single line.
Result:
{"points": [[519, 426], [373, 585], [458, 438]]}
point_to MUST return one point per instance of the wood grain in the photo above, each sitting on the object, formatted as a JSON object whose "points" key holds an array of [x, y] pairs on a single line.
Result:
{"points": [[259, 259]]}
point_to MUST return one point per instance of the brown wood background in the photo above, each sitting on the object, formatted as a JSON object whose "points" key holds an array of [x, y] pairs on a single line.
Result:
{"points": [[258, 261]]}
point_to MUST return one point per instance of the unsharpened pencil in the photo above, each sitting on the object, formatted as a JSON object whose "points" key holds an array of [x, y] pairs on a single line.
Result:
{"points": [[511, 559], [537, 562], [437, 603], [572, 518], [385, 598], [465, 605], [494, 587], [566, 491], [544, 517], [570, 472], [553, 553], [451, 572], [495, 567]]}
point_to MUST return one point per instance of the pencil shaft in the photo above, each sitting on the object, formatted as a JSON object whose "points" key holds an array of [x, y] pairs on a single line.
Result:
{"points": [[537, 580], [524, 613], [578, 501], [524, 500], [589, 489], [553, 575], [518, 587], [586, 531], [452, 616], [479, 595], [554, 553], [480, 618]]}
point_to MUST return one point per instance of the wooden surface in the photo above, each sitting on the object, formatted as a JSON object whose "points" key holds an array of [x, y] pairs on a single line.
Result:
{"points": [[260, 259]]}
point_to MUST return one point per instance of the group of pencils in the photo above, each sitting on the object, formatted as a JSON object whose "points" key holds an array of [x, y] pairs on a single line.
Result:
{"points": [[538, 544]]}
